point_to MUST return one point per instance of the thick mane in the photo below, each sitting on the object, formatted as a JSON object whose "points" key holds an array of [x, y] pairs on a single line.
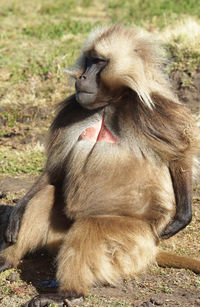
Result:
{"points": [[135, 61]]}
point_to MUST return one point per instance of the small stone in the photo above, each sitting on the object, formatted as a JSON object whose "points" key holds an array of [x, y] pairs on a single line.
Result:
{"points": [[156, 302], [13, 277], [2, 194]]}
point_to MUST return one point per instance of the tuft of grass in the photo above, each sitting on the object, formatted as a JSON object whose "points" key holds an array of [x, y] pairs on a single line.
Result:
{"points": [[182, 41], [10, 117], [19, 162]]}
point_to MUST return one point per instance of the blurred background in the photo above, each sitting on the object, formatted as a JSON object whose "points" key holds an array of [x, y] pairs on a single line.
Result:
{"points": [[40, 39]]}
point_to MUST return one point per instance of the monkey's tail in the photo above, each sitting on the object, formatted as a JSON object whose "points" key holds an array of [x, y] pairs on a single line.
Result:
{"points": [[167, 259]]}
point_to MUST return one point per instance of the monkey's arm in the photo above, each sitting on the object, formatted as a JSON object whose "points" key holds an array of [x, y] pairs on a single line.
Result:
{"points": [[181, 175], [17, 212]]}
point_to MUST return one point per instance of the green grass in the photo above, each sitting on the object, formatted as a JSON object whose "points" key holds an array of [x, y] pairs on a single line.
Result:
{"points": [[54, 31], [21, 162], [46, 32], [40, 39], [152, 13]]}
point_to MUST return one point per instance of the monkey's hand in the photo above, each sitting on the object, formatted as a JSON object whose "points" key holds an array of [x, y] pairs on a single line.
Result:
{"points": [[176, 225], [59, 299], [181, 179], [14, 220]]}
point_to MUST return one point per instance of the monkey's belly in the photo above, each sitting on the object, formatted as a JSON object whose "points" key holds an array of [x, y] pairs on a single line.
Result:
{"points": [[110, 180], [98, 133]]}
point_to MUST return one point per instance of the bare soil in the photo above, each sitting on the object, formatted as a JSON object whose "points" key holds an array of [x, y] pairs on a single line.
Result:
{"points": [[157, 287]]}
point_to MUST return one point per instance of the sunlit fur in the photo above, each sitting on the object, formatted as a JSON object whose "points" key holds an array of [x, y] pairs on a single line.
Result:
{"points": [[139, 67], [105, 205]]}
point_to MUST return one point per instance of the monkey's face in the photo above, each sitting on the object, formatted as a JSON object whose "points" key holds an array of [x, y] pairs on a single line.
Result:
{"points": [[88, 84], [113, 61]]}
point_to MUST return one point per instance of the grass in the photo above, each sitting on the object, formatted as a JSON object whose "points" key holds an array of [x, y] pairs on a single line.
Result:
{"points": [[152, 14], [55, 31], [183, 44], [40, 39], [36, 36], [21, 162]]}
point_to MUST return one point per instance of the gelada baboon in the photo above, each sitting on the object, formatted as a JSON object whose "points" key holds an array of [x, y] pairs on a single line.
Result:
{"points": [[118, 174]]}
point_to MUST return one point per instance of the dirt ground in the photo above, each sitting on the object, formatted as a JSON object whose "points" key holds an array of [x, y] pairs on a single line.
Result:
{"points": [[157, 287]]}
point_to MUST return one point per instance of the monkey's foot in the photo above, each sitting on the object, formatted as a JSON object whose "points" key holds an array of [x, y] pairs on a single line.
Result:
{"points": [[4, 264], [61, 300]]}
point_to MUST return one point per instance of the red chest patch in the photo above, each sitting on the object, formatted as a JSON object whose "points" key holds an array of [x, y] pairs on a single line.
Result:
{"points": [[98, 133]]}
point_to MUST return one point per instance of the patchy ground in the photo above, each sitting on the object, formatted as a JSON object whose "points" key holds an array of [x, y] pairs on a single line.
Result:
{"points": [[158, 287], [36, 274]]}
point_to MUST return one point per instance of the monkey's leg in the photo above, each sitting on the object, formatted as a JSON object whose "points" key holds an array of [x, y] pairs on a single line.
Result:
{"points": [[34, 228], [17, 213], [100, 249]]}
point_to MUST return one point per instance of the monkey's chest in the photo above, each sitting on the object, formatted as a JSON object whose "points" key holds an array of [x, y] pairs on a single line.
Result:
{"points": [[98, 133]]}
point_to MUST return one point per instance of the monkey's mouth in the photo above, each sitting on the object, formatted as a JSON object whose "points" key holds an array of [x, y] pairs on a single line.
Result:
{"points": [[88, 100], [85, 98], [84, 92]]}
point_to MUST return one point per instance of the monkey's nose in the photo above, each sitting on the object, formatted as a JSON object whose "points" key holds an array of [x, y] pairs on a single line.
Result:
{"points": [[82, 77]]}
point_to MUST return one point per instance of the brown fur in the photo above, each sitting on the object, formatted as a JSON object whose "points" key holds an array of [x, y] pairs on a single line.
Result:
{"points": [[106, 205], [166, 259]]}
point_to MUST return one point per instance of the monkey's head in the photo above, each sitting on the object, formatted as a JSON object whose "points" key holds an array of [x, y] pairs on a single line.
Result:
{"points": [[114, 60]]}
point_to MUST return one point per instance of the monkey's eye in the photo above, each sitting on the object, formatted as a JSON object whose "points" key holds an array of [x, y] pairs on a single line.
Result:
{"points": [[99, 61], [94, 60]]}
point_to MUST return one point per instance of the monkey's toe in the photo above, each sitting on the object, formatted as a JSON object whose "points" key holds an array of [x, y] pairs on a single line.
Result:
{"points": [[4, 264], [59, 299]]}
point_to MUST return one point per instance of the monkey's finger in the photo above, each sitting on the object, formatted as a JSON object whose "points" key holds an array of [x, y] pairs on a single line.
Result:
{"points": [[11, 232], [172, 229]]}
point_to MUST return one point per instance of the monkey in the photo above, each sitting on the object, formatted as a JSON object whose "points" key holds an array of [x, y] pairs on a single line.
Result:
{"points": [[118, 174]]}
